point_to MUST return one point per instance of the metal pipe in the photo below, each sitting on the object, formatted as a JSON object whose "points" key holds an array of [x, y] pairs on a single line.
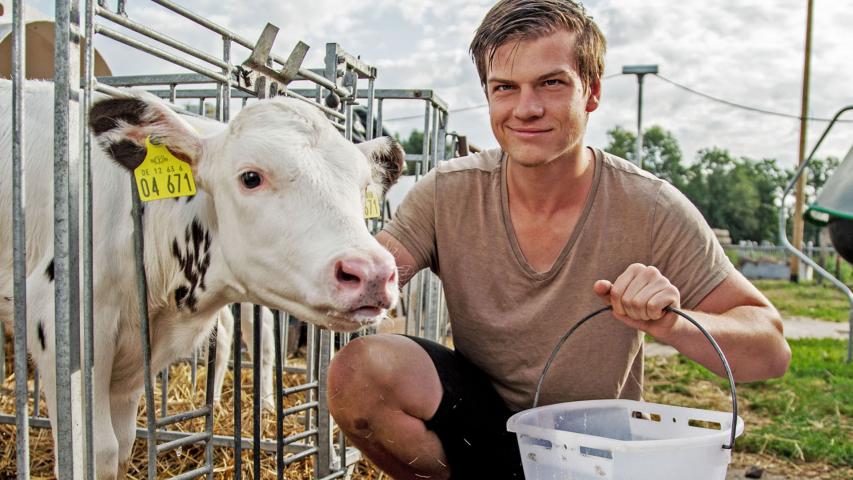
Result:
{"points": [[208, 403], [164, 391], [425, 147], [164, 39], [783, 235], [181, 442], [238, 421], [299, 456], [182, 417], [142, 302], [114, 35], [19, 246], [206, 470], [278, 385], [369, 132], [88, 80], [256, 387], [246, 43], [66, 465]]}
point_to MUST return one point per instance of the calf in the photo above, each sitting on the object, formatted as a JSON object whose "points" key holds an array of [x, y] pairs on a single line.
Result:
{"points": [[277, 220]]}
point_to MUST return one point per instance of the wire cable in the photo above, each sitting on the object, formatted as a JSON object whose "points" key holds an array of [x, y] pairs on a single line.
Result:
{"points": [[741, 106]]}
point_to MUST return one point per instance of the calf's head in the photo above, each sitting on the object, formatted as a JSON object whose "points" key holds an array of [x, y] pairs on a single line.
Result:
{"points": [[288, 195]]}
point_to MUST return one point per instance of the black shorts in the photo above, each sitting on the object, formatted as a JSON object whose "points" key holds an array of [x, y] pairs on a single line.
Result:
{"points": [[471, 420]]}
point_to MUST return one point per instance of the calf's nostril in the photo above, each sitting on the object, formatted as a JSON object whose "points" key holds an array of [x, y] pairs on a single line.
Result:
{"points": [[345, 275]]}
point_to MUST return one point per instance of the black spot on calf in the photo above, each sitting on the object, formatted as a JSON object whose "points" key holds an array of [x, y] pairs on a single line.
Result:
{"points": [[180, 294], [49, 270], [40, 331]]}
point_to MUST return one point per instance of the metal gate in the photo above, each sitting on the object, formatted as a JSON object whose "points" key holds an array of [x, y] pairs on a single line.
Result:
{"points": [[334, 89]]}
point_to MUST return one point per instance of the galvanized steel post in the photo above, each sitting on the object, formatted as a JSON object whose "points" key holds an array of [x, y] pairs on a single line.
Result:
{"points": [[19, 245]]}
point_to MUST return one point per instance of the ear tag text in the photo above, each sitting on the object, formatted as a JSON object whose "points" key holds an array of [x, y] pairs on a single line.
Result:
{"points": [[163, 175], [371, 205]]}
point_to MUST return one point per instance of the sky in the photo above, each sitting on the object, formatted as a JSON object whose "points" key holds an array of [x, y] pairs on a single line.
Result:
{"points": [[747, 52]]}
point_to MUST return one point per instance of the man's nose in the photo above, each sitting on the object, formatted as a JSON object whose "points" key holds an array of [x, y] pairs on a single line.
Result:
{"points": [[529, 104]]}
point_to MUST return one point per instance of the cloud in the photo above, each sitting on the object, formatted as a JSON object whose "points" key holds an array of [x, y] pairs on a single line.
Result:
{"points": [[746, 51]]}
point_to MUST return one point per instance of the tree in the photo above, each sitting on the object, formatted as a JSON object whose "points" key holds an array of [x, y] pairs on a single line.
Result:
{"points": [[661, 153]]}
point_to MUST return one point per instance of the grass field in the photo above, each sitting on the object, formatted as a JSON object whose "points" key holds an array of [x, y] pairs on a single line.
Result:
{"points": [[823, 302], [804, 418]]}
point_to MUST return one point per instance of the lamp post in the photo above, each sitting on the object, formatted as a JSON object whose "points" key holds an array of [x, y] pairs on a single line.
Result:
{"points": [[640, 71]]}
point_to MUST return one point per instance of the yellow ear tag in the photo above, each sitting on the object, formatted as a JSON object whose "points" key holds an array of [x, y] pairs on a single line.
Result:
{"points": [[371, 205], [163, 175]]}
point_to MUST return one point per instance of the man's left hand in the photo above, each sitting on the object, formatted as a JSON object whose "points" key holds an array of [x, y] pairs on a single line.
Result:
{"points": [[639, 296]]}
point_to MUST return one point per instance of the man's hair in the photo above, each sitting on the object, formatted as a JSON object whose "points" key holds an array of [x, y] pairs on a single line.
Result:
{"points": [[517, 20]]}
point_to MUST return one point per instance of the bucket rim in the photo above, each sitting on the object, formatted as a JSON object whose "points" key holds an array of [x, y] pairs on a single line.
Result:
{"points": [[594, 441]]}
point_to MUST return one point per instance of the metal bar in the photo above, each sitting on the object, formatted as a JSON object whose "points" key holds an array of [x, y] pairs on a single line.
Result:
{"points": [[324, 421], [164, 39], [36, 396], [301, 455], [226, 90], [219, 441], [182, 417], [277, 384], [188, 440], [425, 147], [206, 470], [19, 247], [142, 302], [300, 388], [208, 403], [238, 421], [379, 116], [306, 73], [256, 387], [783, 235], [332, 476], [114, 35], [300, 408], [88, 80], [164, 392], [311, 370], [369, 132], [300, 436], [63, 227]]}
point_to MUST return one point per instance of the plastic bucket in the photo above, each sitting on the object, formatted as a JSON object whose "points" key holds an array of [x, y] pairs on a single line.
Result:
{"points": [[624, 439]]}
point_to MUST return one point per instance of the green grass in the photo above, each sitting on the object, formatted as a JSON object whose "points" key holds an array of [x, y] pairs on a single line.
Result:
{"points": [[807, 415], [823, 302]]}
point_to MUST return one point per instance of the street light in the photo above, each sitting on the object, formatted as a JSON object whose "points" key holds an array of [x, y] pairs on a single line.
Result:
{"points": [[640, 71]]}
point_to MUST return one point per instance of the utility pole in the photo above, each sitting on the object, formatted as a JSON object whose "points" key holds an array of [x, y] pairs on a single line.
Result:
{"points": [[640, 71], [801, 184]]}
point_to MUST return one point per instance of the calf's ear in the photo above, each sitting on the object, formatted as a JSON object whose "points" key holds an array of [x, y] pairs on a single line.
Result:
{"points": [[121, 126], [386, 157]]}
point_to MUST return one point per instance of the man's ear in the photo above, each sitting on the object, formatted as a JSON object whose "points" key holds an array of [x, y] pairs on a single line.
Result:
{"points": [[594, 98], [121, 126], [387, 158]]}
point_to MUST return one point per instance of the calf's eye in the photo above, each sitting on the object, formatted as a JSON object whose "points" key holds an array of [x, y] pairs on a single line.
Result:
{"points": [[251, 179]]}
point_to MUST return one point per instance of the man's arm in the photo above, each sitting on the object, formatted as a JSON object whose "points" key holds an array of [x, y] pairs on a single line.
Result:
{"points": [[742, 321], [406, 264]]}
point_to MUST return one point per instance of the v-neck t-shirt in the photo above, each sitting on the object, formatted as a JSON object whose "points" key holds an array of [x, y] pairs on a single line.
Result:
{"points": [[506, 317]]}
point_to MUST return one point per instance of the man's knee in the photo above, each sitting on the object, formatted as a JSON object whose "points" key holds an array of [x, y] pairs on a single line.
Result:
{"points": [[383, 371]]}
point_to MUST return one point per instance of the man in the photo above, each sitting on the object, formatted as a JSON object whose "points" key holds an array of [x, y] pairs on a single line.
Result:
{"points": [[528, 239]]}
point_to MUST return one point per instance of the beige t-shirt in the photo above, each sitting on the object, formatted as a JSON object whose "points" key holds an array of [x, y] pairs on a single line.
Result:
{"points": [[506, 317]]}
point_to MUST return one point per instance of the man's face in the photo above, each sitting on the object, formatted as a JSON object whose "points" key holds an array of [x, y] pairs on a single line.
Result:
{"points": [[537, 104]]}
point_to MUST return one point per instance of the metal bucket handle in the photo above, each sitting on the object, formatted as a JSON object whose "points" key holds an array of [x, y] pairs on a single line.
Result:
{"points": [[668, 309]]}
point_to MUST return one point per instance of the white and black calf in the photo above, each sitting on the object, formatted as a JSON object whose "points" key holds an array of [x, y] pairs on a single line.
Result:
{"points": [[277, 221]]}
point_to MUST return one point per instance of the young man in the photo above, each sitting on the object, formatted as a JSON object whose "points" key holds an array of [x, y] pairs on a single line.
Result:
{"points": [[528, 239]]}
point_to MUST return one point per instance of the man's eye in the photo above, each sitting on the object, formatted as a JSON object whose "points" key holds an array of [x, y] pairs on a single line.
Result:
{"points": [[503, 88], [553, 82]]}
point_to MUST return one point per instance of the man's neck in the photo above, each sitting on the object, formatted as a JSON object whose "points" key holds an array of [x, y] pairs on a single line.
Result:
{"points": [[553, 187]]}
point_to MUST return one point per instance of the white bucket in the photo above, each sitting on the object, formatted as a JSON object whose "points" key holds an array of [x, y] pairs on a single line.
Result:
{"points": [[625, 439], [604, 439]]}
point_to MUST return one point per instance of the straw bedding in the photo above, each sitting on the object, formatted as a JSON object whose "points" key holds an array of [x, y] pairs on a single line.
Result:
{"points": [[181, 397]]}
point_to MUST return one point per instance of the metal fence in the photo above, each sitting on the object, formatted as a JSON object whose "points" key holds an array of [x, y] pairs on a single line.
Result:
{"points": [[334, 89]]}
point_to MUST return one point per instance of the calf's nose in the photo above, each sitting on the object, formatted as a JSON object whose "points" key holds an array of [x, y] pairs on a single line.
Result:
{"points": [[365, 281]]}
